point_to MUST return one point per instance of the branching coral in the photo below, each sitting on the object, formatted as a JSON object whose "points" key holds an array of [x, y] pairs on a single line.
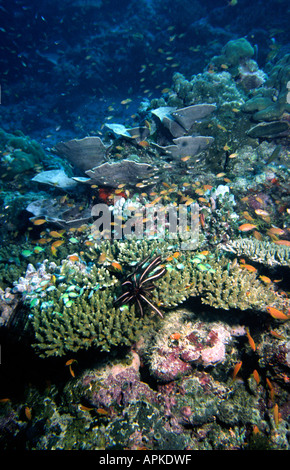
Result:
{"points": [[264, 252], [219, 282], [88, 322], [73, 304]]}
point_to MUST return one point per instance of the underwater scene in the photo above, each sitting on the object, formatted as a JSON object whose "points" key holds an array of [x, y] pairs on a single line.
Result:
{"points": [[145, 226]]}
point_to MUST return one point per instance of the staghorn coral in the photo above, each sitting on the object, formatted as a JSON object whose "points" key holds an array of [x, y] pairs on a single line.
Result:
{"points": [[91, 321], [220, 283], [264, 252]]}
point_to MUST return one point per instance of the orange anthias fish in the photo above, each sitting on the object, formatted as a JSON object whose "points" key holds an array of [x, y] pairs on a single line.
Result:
{"points": [[265, 279], [282, 242], [275, 231], [247, 227], [277, 314], [27, 412], [276, 415], [272, 391], [249, 267], [117, 266], [250, 339], [236, 369], [39, 221], [256, 376]]}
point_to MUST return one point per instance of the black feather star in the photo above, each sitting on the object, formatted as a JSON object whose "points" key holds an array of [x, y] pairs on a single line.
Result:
{"points": [[140, 283]]}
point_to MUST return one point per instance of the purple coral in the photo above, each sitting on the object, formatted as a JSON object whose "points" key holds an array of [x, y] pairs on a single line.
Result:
{"points": [[199, 342], [116, 385]]}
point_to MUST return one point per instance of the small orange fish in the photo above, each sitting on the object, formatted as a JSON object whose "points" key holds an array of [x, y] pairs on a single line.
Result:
{"points": [[256, 376], [175, 336], [255, 429], [276, 335], [188, 202], [55, 234], [27, 412], [236, 369], [257, 235], [53, 250], [258, 199], [85, 408], [143, 143], [276, 415], [277, 314], [265, 279], [101, 411], [202, 219], [220, 175], [4, 400], [117, 266], [250, 339], [261, 212], [272, 391], [282, 242], [70, 361], [247, 227], [73, 258], [249, 268], [39, 222], [275, 231], [248, 216], [185, 159], [57, 243]]}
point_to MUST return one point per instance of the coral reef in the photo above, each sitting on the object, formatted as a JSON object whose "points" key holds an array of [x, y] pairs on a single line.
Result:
{"points": [[19, 154], [182, 342], [263, 252], [269, 105]]}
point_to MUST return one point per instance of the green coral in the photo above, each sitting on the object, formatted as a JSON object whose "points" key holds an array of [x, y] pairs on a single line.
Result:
{"points": [[20, 153], [219, 282], [73, 304], [91, 321]]}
